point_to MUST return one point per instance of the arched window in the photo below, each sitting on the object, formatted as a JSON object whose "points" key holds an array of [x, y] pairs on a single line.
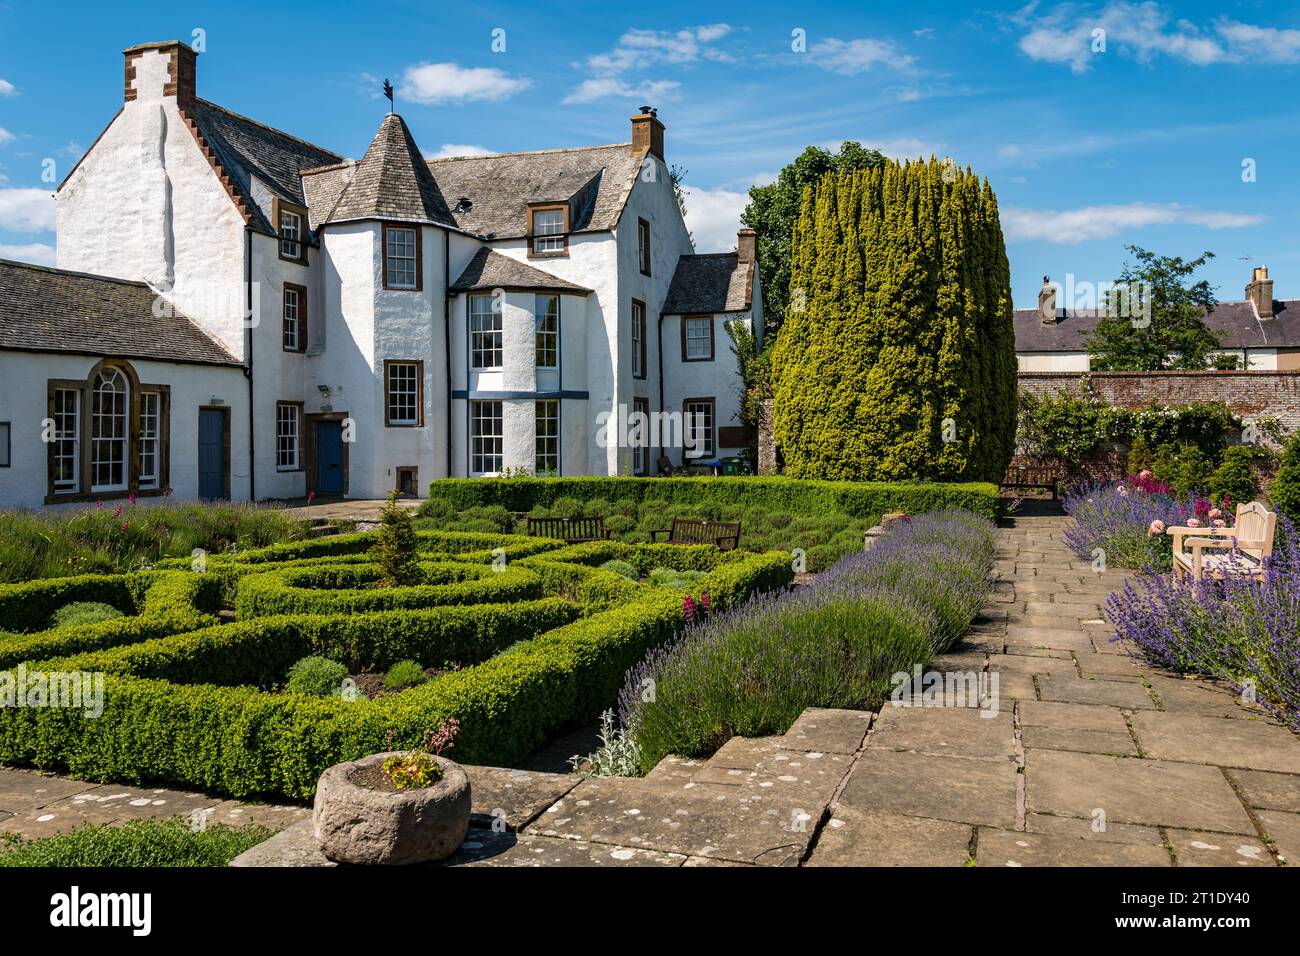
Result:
{"points": [[109, 417]]}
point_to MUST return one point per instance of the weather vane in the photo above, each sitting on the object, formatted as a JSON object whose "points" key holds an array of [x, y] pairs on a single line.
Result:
{"points": [[388, 92]]}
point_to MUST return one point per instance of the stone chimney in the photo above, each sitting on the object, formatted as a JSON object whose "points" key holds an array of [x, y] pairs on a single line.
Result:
{"points": [[159, 70], [1047, 302], [1260, 291], [746, 244], [647, 133]]}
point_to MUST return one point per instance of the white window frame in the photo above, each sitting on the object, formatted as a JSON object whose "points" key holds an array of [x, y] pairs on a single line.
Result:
{"points": [[6, 444], [638, 320], [487, 437], [67, 438], [699, 347], [549, 235], [150, 439], [398, 241], [485, 352], [691, 414], [110, 451], [404, 385], [288, 436], [546, 429], [292, 311], [290, 227], [547, 339], [641, 449]]}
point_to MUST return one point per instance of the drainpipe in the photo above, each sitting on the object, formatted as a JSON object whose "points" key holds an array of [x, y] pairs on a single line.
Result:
{"points": [[446, 331], [659, 354], [248, 356]]}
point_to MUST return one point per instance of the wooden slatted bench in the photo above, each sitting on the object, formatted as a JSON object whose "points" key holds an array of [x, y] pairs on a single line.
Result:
{"points": [[724, 534], [570, 530], [1024, 477]]}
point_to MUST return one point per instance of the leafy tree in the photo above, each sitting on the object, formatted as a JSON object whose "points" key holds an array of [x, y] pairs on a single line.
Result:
{"points": [[773, 209], [1234, 477], [1285, 490], [396, 549], [1176, 336], [897, 358]]}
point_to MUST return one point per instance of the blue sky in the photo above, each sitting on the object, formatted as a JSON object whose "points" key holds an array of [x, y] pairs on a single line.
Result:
{"points": [[1088, 149]]}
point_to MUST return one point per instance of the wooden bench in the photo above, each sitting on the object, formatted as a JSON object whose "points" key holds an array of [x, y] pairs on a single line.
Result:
{"points": [[1242, 548], [570, 530], [724, 534], [1024, 477]]}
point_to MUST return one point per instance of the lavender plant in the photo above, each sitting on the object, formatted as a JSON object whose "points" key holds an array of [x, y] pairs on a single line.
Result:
{"points": [[751, 670], [1242, 629]]}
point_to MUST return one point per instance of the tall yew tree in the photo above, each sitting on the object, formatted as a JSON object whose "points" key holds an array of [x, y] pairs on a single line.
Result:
{"points": [[899, 319]]}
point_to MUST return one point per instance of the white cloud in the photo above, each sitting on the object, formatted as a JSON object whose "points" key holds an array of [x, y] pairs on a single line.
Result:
{"points": [[713, 216], [450, 150], [5, 136], [37, 252], [589, 91], [432, 83], [1104, 222], [26, 210], [850, 57], [1009, 151], [1145, 31], [637, 50], [6, 88]]}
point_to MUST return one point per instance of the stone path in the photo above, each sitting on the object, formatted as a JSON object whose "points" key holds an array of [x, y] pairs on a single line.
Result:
{"points": [[1088, 759]]}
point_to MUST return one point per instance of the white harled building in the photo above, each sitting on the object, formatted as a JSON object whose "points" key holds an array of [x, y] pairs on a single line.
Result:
{"points": [[239, 313]]}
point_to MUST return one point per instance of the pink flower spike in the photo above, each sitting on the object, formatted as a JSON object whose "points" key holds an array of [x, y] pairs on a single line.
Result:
{"points": [[125, 525], [99, 504], [688, 608], [131, 498]]}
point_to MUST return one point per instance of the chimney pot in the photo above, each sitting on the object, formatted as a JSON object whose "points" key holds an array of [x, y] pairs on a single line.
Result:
{"points": [[1260, 291], [647, 133]]}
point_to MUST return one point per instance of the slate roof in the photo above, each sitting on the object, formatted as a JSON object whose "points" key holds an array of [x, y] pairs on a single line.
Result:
{"points": [[53, 310], [492, 270], [392, 181], [1233, 322], [500, 187], [247, 147], [710, 282]]}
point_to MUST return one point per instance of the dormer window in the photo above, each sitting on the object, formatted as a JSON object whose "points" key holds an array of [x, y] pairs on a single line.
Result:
{"points": [[291, 226], [548, 229]]}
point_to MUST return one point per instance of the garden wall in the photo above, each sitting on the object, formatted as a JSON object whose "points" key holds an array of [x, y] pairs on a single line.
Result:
{"points": [[1247, 394]]}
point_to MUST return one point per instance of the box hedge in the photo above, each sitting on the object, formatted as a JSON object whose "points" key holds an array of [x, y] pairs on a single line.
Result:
{"points": [[776, 494]]}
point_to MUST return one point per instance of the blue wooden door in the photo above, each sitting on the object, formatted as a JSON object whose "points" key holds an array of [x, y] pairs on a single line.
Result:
{"points": [[212, 453], [329, 458]]}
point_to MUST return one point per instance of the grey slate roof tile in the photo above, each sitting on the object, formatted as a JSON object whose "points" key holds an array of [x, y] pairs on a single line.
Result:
{"points": [[710, 282], [392, 181], [53, 310], [500, 187], [492, 270], [1233, 322], [249, 148]]}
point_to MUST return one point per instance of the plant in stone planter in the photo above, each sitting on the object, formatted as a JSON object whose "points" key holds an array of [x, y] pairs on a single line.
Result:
{"points": [[398, 807], [419, 766]]}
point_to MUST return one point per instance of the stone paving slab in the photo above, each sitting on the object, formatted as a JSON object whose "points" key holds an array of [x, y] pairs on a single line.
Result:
{"points": [[1007, 848], [1193, 738], [1190, 696], [1217, 849], [1050, 713], [1082, 741], [974, 733], [940, 788], [1132, 790], [27, 789], [854, 837], [1029, 665], [1105, 830], [1268, 791], [516, 796], [828, 731], [1284, 830], [1078, 690], [1111, 666]]}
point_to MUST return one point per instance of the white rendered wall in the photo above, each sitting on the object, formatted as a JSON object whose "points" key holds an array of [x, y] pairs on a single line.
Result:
{"points": [[23, 405]]}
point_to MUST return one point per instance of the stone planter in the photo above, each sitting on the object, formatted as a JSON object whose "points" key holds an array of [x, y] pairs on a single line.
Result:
{"points": [[357, 824]]}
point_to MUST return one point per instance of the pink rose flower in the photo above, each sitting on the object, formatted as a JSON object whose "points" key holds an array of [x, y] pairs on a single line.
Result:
{"points": [[1157, 527], [1144, 474], [1193, 522], [1219, 523]]}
